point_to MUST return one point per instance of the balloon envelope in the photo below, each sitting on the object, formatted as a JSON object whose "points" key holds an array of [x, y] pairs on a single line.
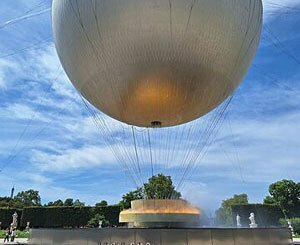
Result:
{"points": [[156, 62]]}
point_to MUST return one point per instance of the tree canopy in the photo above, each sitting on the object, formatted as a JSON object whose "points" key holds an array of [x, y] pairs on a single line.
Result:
{"points": [[103, 203], [29, 198], [22, 199], [286, 195], [57, 203], [161, 187], [78, 203], [157, 187], [69, 202], [137, 194]]}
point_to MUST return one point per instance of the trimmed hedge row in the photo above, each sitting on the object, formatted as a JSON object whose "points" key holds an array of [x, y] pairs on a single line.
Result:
{"points": [[6, 216], [296, 211], [265, 215], [55, 217], [67, 217], [58, 217]]}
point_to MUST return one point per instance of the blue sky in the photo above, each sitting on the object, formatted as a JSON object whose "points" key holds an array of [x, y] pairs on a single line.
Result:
{"points": [[49, 142]]}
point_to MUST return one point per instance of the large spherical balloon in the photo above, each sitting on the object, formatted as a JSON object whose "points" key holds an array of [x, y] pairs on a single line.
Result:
{"points": [[156, 62]]}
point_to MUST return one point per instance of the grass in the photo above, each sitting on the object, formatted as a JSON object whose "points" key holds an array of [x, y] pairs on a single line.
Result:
{"points": [[20, 234]]}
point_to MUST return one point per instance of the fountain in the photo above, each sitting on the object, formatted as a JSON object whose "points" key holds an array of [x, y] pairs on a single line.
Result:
{"points": [[164, 222]]}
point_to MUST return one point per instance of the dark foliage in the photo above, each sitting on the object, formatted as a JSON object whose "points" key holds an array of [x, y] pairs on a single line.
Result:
{"points": [[6, 216], [67, 217], [265, 215]]}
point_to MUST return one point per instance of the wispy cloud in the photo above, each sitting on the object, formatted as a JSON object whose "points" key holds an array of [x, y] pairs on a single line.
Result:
{"points": [[80, 158], [5, 67], [275, 8]]}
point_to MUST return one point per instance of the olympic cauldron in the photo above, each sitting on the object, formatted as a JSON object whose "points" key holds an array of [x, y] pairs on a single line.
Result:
{"points": [[155, 213]]}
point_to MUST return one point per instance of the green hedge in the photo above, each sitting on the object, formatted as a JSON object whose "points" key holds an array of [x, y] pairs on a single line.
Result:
{"points": [[6, 216], [67, 217], [295, 212], [265, 215]]}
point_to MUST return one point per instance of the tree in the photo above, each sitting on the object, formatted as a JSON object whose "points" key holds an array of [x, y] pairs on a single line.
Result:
{"points": [[28, 198], [285, 194], [78, 203], [7, 202], [269, 200], [49, 204], [58, 203], [158, 187], [131, 196], [161, 187], [69, 202], [103, 203], [4, 202], [224, 213]]}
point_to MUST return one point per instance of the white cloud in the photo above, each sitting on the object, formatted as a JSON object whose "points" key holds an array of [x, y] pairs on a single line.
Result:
{"points": [[280, 3], [48, 67], [267, 150], [6, 67], [87, 157], [89, 127], [38, 179], [273, 8], [40, 68], [24, 112]]}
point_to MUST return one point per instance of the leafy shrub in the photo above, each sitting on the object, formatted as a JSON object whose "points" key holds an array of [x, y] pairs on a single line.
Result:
{"points": [[94, 222]]}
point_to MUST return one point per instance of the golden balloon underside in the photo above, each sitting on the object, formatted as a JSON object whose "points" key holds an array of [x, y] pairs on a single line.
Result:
{"points": [[163, 97], [143, 61], [166, 95]]}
